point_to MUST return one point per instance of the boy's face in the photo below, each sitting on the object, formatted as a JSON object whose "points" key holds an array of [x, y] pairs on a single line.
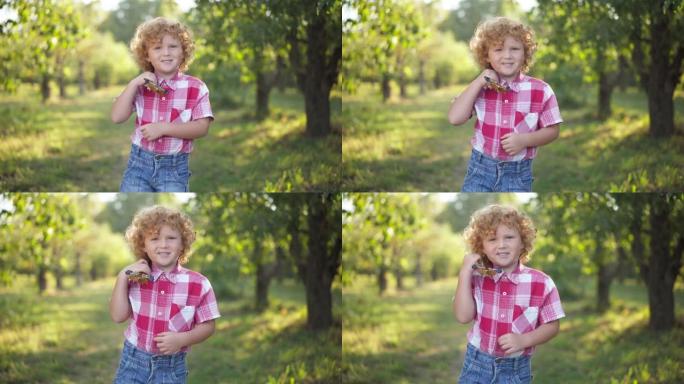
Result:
{"points": [[165, 55], [503, 248], [507, 58], [164, 247]]}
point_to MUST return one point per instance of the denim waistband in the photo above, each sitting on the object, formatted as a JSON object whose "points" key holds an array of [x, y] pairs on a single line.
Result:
{"points": [[483, 357], [485, 160], [145, 154], [144, 357]]}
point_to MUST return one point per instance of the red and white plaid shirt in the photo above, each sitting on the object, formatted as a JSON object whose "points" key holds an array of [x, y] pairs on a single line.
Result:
{"points": [[516, 302], [187, 99], [527, 106], [171, 302]]}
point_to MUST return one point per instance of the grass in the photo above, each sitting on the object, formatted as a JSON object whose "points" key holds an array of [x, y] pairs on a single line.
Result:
{"points": [[71, 145], [408, 145], [67, 337], [411, 337]]}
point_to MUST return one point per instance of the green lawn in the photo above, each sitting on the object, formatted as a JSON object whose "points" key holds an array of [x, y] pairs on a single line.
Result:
{"points": [[72, 145], [408, 145], [68, 337], [412, 337]]}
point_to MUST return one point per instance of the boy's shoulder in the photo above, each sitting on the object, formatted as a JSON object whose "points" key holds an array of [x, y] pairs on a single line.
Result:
{"points": [[191, 276], [535, 275], [536, 83], [189, 78]]}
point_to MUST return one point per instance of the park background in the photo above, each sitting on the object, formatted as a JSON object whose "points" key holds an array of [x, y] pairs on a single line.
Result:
{"points": [[615, 258], [615, 66], [271, 68], [273, 261]]}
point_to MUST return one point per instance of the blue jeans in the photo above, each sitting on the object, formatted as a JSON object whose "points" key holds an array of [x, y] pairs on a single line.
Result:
{"points": [[150, 172], [483, 368], [486, 174], [140, 367]]}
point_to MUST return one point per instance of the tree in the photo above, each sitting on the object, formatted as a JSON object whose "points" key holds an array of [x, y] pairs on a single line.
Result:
{"points": [[657, 54], [657, 248], [381, 38], [252, 37], [314, 35], [39, 38], [37, 225]]}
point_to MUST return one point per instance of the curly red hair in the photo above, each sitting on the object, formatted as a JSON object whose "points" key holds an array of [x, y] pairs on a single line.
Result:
{"points": [[151, 32], [484, 222], [493, 32], [148, 222]]}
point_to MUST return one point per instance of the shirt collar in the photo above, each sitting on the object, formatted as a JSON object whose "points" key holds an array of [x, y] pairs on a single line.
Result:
{"points": [[172, 275], [515, 84], [171, 83], [513, 276]]}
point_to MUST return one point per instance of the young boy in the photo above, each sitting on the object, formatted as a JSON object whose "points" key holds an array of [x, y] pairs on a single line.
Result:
{"points": [[515, 113], [514, 307], [171, 109], [170, 307]]}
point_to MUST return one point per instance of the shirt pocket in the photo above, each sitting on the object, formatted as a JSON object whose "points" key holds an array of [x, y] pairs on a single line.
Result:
{"points": [[526, 121], [182, 317], [524, 319], [181, 115]]}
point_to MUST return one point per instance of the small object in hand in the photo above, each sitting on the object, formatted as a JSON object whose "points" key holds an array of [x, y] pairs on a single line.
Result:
{"points": [[149, 84], [139, 277], [485, 271], [493, 84]]}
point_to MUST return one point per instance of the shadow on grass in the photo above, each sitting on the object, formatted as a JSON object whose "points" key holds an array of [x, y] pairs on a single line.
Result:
{"points": [[72, 146]]}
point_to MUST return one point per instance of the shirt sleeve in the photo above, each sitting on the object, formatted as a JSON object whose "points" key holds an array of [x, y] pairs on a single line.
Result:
{"points": [[208, 307], [550, 113], [551, 308], [203, 106]]}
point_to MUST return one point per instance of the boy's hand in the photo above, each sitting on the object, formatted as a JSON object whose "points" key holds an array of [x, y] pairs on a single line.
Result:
{"points": [[489, 73], [512, 343], [513, 143], [169, 342], [140, 80], [153, 131], [468, 261], [139, 266]]}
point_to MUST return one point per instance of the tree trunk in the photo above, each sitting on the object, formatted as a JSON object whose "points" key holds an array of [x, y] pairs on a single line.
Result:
{"points": [[42, 279], [323, 261], [399, 275], [77, 270], [421, 76], [603, 288], [81, 78], [263, 90], [386, 89], [661, 277], [45, 87], [604, 93], [661, 82], [263, 280], [418, 272], [382, 279]]}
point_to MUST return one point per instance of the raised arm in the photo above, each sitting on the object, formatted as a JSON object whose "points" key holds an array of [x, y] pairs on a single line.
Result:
{"points": [[464, 304], [462, 106], [123, 105]]}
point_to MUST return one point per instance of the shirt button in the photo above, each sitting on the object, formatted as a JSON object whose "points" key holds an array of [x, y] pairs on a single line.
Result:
{"points": [[159, 314], [162, 119], [162, 292], [164, 98], [502, 316], [502, 293], [505, 121], [505, 101]]}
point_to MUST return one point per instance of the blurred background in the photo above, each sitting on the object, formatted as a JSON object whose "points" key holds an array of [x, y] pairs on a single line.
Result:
{"points": [[615, 258], [276, 106], [273, 261], [615, 67]]}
